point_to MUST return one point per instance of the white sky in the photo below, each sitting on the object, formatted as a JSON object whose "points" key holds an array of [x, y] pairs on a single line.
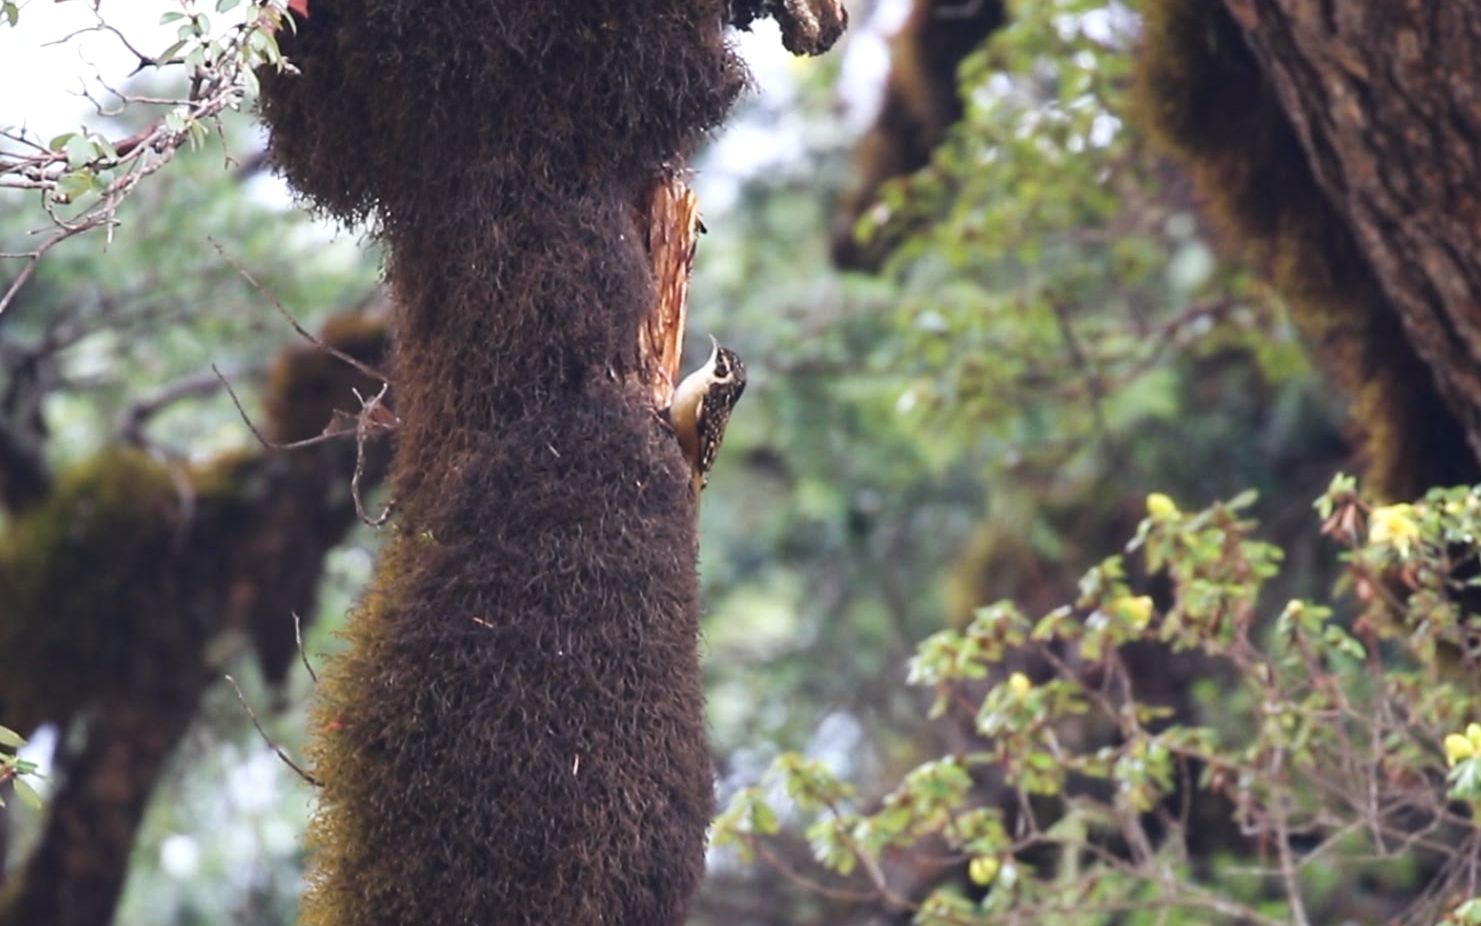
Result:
{"points": [[40, 83]]}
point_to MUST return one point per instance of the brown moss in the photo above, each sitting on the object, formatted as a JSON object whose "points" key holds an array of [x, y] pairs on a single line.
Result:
{"points": [[515, 733], [307, 385], [561, 98], [99, 587], [301, 503], [921, 101], [522, 695], [1201, 92]]}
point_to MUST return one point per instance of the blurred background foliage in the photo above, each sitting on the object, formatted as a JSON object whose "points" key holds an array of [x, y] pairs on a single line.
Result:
{"points": [[1050, 339]]}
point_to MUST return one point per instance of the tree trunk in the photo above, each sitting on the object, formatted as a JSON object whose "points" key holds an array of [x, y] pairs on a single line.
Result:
{"points": [[1386, 101]]}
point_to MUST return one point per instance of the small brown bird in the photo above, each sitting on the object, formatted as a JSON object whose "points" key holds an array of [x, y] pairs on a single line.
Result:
{"points": [[701, 408]]}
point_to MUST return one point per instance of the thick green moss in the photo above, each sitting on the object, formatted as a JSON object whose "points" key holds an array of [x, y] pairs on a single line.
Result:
{"points": [[95, 587], [1201, 92]]}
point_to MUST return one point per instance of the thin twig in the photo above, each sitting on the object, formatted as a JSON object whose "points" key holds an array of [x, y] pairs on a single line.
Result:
{"points": [[262, 438], [307, 335], [302, 655], [362, 432], [302, 773]]}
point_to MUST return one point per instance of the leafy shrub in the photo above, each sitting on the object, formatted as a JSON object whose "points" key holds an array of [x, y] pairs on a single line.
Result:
{"points": [[1328, 770]]}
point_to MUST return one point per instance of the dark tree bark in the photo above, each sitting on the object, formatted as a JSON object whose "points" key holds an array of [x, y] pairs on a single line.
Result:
{"points": [[77, 873], [1386, 101]]}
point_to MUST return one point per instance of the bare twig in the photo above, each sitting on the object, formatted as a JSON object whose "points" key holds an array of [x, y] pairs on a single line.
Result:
{"points": [[302, 655], [129, 426], [363, 423], [324, 438], [307, 335], [367, 422], [287, 760]]}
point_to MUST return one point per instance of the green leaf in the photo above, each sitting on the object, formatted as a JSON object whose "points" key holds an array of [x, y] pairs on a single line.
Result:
{"points": [[80, 151], [105, 147], [10, 738], [27, 794], [764, 820], [11, 12], [74, 184], [1243, 500]]}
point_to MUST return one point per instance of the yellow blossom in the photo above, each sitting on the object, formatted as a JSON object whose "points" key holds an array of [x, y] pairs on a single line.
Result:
{"points": [[1458, 748], [983, 869], [1138, 610], [1394, 525], [1473, 733], [1019, 684], [1161, 506]]}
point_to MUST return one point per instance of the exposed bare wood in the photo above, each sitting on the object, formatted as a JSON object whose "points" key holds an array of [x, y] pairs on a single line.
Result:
{"points": [[672, 227]]}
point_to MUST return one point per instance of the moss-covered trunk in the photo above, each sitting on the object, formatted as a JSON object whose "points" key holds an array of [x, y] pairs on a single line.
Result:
{"points": [[1339, 246], [515, 734], [76, 874], [1385, 99]]}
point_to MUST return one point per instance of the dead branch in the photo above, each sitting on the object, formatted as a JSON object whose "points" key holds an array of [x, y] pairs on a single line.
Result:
{"points": [[298, 638], [303, 332], [287, 760], [363, 422], [128, 427]]}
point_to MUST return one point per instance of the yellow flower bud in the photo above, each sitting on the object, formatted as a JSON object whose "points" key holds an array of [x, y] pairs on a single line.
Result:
{"points": [[983, 869], [1138, 610], [1019, 684], [1393, 525], [1458, 748], [1473, 733], [1161, 506]]}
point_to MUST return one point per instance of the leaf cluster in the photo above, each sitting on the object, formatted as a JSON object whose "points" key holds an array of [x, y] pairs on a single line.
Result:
{"points": [[1320, 740]]}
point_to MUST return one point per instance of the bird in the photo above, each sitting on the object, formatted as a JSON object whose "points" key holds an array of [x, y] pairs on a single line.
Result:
{"points": [[701, 409]]}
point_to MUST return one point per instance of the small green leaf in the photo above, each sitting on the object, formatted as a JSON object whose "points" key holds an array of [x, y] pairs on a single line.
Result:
{"points": [[80, 151], [27, 794], [10, 738], [105, 147], [72, 185], [11, 12], [764, 820]]}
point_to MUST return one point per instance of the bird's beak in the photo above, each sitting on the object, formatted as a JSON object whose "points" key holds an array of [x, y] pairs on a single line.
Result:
{"points": [[714, 349]]}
